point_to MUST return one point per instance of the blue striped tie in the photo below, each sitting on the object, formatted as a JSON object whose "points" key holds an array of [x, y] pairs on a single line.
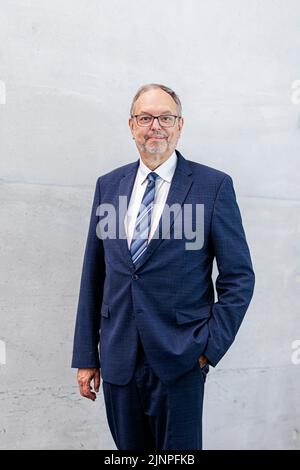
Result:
{"points": [[143, 221]]}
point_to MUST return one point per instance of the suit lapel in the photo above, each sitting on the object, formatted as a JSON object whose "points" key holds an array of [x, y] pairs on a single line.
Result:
{"points": [[125, 189]]}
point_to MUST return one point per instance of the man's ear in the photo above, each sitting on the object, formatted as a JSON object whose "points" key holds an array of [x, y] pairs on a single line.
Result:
{"points": [[130, 123]]}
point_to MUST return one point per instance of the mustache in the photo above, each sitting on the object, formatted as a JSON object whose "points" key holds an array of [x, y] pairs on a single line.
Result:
{"points": [[155, 135]]}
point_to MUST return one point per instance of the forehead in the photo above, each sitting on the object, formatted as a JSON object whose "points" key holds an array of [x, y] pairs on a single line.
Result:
{"points": [[155, 101]]}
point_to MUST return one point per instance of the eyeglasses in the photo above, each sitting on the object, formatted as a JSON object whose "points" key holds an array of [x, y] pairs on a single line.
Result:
{"points": [[165, 120]]}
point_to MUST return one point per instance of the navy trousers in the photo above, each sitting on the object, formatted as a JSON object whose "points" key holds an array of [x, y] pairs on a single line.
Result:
{"points": [[148, 415]]}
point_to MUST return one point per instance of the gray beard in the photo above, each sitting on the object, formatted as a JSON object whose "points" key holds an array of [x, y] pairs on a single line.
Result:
{"points": [[160, 148]]}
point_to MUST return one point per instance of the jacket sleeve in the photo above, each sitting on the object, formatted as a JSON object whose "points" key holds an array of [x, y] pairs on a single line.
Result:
{"points": [[86, 336], [235, 281]]}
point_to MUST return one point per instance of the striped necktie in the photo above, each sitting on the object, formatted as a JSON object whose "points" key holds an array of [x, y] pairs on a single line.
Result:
{"points": [[143, 221]]}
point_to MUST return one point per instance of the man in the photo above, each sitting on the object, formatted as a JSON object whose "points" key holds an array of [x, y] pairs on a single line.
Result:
{"points": [[149, 294]]}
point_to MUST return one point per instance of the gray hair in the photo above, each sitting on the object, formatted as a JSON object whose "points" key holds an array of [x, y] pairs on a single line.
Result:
{"points": [[151, 86]]}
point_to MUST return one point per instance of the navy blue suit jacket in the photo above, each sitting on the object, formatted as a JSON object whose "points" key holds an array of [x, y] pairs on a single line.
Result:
{"points": [[168, 297]]}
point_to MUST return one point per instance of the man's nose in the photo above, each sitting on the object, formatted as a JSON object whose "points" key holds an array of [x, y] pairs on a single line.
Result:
{"points": [[155, 124]]}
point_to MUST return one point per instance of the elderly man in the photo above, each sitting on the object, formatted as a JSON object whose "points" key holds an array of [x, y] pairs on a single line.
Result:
{"points": [[146, 300]]}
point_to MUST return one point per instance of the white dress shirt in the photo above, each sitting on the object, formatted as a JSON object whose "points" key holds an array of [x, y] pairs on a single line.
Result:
{"points": [[165, 173]]}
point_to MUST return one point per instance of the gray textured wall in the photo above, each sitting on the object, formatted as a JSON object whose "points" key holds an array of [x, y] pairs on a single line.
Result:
{"points": [[68, 71]]}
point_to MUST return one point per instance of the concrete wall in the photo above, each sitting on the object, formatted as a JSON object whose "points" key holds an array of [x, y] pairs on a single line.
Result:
{"points": [[68, 72]]}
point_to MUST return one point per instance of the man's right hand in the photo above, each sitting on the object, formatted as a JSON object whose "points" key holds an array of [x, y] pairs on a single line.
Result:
{"points": [[84, 378]]}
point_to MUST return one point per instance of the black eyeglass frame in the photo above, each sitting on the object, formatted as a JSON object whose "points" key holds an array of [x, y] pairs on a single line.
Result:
{"points": [[155, 117]]}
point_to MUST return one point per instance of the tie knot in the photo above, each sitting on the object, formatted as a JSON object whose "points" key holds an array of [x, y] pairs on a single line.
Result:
{"points": [[152, 176]]}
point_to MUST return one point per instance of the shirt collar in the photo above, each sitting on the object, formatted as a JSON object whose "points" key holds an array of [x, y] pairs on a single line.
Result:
{"points": [[165, 170]]}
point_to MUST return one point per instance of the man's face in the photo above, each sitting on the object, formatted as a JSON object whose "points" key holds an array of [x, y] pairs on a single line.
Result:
{"points": [[155, 140]]}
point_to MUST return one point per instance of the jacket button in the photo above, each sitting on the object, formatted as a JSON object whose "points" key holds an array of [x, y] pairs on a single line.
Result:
{"points": [[135, 277]]}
